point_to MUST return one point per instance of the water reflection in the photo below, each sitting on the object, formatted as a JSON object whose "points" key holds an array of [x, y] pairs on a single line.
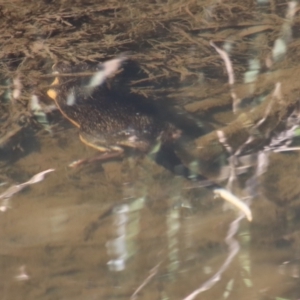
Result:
{"points": [[139, 250], [125, 229]]}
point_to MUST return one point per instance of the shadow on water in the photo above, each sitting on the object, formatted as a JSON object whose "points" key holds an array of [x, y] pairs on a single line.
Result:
{"points": [[128, 228]]}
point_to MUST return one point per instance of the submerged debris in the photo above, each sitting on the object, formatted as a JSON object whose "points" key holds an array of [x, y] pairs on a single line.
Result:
{"points": [[18, 187]]}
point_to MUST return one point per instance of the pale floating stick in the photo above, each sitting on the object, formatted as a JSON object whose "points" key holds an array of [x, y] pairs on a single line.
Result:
{"points": [[224, 55], [227, 62], [224, 193], [18, 187], [37, 178], [234, 200], [277, 95]]}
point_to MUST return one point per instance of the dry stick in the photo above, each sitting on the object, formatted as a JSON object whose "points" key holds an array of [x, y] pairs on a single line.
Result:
{"points": [[220, 133], [207, 146], [287, 149], [276, 95], [224, 55], [232, 160], [5, 138], [147, 79], [79, 74], [222, 138], [227, 62]]}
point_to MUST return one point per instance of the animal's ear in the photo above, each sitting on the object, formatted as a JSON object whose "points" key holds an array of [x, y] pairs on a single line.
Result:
{"points": [[106, 69], [84, 77]]}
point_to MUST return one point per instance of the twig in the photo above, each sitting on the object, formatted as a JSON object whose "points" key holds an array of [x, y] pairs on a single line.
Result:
{"points": [[234, 248], [227, 62], [224, 55], [152, 272], [232, 160], [146, 79], [18, 187], [79, 74]]}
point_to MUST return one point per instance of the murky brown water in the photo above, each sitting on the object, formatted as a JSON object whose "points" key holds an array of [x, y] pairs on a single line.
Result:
{"points": [[145, 232], [129, 229]]}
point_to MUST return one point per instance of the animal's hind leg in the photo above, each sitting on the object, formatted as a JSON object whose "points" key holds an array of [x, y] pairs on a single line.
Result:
{"points": [[106, 154], [100, 157]]}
